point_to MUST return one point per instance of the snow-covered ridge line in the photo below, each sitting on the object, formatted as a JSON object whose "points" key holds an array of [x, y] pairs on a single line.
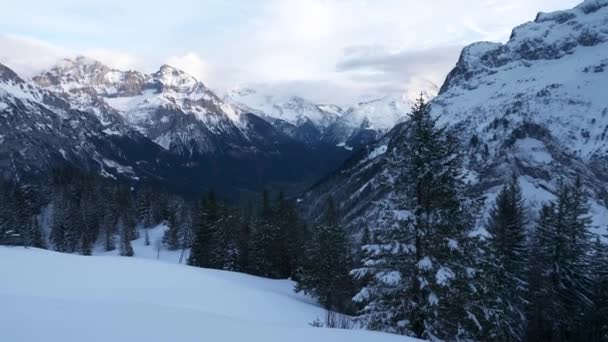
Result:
{"points": [[333, 124]]}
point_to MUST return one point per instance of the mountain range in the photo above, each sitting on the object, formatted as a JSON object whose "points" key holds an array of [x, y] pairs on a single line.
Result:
{"points": [[164, 127], [533, 108]]}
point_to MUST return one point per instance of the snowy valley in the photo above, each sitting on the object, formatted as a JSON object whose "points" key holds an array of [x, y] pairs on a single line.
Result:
{"points": [[148, 206]]}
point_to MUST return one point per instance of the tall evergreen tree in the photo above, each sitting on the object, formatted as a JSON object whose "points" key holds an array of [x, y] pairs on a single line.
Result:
{"points": [[504, 265], [559, 276], [325, 272], [91, 222], [206, 217], [244, 238], [595, 327], [144, 207], [109, 220], [265, 251], [125, 242], [432, 266], [224, 250]]}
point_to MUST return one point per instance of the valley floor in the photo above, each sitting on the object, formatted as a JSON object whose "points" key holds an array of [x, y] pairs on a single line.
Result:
{"points": [[49, 296]]}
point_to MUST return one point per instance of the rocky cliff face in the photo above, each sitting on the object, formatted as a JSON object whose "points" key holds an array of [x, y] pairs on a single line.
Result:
{"points": [[169, 106], [40, 131], [534, 108]]}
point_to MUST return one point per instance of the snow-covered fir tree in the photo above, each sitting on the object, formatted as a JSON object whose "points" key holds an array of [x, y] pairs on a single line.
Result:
{"points": [[424, 266], [595, 327], [504, 265], [325, 268], [125, 242], [207, 214], [224, 251], [560, 267], [265, 254]]}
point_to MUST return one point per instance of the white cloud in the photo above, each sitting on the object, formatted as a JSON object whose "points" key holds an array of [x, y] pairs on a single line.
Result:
{"points": [[300, 43], [192, 64], [115, 59], [28, 56]]}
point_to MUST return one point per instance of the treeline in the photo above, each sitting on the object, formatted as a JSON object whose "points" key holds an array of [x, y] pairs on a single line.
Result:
{"points": [[78, 212]]}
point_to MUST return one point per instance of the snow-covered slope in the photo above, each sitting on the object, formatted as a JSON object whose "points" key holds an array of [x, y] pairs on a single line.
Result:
{"points": [[61, 297], [292, 109], [534, 108]]}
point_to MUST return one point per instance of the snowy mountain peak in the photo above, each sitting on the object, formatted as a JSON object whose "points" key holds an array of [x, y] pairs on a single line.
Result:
{"points": [[551, 36], [176, 79], [289, 108], [83, 73]]}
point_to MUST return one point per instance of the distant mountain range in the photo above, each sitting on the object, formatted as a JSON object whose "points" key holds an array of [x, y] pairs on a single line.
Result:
{"points": [[168, 127], [350, 127]]}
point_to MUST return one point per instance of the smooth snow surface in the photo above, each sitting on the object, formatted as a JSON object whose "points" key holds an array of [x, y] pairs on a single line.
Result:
{"points": [[49, 296]]}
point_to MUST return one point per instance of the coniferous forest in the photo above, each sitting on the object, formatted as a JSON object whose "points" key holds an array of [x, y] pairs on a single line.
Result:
{"points": [[427, 274]]}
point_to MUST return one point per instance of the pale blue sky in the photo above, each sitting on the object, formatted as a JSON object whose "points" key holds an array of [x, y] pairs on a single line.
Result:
{"points": [[310, 46]]}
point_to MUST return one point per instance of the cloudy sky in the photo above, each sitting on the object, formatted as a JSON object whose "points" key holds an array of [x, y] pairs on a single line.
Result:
{"points": [[329, 50]]}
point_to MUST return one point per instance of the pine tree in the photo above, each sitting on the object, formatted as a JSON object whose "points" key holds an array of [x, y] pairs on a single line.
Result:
{"points": [[595, 327], [60, 225], [35, 234], [185, 229], [224, 251], [325, 272], [171, 237], [292, 236], [560, 272], [504, 267], [424, 267], [384, 262], [244, 238], [91, 222], [206, 216], [125, 242], [143, 206], [109, 220], [9, 216], [266, 243]]}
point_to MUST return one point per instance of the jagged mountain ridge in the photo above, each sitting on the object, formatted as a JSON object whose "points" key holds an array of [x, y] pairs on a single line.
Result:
{"points": [[40, 131], [351, 127], [169, 106], [66, 123], [533, 107]]}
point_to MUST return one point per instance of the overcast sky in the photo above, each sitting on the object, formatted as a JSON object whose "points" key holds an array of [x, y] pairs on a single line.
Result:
{"points": [[329, 50]]}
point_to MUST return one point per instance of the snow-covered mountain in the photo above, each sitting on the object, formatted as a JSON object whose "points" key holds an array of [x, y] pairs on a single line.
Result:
{"points": [[534, 107], [169, 106], [291, 109], [164, 127], [40, 131], [353, 126]]}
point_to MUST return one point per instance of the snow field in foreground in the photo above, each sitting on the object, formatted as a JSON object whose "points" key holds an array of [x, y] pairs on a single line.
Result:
{"points": [[49, 296]]}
